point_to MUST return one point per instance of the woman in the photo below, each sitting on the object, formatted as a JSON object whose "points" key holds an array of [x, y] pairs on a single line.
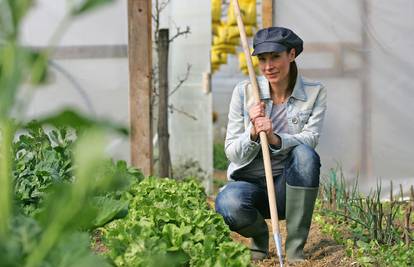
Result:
{"points": [[291, 113]]}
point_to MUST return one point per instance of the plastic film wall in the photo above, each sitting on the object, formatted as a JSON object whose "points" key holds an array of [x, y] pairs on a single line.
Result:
{"points": [[360, 51], [89, 71]]}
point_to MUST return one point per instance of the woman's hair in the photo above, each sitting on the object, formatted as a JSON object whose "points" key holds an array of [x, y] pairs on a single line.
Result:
{"points": [[293, 73]]}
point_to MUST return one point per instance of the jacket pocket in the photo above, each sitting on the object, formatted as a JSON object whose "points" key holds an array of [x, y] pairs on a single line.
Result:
{"points": [[299, 120]]}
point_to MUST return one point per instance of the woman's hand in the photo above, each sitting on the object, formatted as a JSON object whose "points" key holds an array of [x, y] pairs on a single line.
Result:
{"points": [[257, 110], [264, 124], [261, 123]]}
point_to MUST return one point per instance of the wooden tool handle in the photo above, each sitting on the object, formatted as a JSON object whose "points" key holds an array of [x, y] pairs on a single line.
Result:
{"points": [[263, 137]]}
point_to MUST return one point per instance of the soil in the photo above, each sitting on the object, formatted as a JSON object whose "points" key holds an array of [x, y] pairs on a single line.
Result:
{"points": [[320, 250]]}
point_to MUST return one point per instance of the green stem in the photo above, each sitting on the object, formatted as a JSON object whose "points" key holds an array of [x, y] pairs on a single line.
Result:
{"points": [[56, 228], [6, 138]]}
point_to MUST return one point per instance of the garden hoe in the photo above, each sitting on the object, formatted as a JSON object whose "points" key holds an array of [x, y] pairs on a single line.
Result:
{"points": [[263, 139]]}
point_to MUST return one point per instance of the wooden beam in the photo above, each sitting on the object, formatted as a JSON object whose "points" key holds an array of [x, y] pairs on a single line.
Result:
{"points": [[267, 13], [140, 76], [89, 52], [163, 135]]}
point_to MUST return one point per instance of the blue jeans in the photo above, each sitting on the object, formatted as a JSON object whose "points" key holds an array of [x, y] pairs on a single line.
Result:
{"points": [[239, 201]]}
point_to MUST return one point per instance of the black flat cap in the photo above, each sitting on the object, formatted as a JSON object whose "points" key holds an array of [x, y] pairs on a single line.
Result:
{"points": [[276, 39]]}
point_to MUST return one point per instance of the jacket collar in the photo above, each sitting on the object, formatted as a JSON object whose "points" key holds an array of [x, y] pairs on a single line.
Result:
{"points": [[298, 90]]}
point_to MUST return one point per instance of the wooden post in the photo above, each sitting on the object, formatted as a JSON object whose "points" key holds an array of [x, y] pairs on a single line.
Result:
{"points": [[163, 135], [267, 13], [140, 75]]}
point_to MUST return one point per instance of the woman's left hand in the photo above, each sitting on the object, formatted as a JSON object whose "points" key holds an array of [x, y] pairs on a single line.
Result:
{"points": [[264, 124]]}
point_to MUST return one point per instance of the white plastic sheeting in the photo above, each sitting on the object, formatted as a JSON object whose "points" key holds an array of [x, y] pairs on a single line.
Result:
{"points": [[94, 85], [361, 51], [88, 77]]}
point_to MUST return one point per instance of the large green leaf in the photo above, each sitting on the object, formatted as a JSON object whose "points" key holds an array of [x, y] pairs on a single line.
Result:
{"points": [[11, 14], [38, 62], [73, 250], [72, 118], [69, 207], [109, 209], [82, 6], [23, 238], [12, 61]]}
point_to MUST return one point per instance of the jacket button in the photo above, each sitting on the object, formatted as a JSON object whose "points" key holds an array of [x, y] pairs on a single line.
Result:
{"points": [[291, 100], [295, 120]]}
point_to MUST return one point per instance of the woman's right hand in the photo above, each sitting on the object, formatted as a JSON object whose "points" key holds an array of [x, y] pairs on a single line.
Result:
{"points": [[257, 110]]}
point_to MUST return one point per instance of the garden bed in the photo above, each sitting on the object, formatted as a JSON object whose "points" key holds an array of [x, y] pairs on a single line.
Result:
{"points": [[342, 231]]}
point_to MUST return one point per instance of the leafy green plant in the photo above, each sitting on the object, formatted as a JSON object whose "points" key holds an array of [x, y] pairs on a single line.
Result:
{"points": [[67, 209], [171, 220], [52, 237], [220, 161], [40, 161], [372, 230], [368, 216]]}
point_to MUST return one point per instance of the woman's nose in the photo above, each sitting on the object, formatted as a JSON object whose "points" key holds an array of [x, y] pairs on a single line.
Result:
{"points": [[268, 65]]}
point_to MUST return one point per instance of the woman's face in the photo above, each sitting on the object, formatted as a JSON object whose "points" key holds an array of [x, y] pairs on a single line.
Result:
{"points": [[275, 66]]}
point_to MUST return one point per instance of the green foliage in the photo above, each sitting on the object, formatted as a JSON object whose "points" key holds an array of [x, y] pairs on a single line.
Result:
{"points": [[12, 63], [219, 157], [77, 121], [41, 160], [11, 14], [81, 6], [25, 236], [42, 167], [370, 229], [370, 219], [170, 224], [91, 199]]}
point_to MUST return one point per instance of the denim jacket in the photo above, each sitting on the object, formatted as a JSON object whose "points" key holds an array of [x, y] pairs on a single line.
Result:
{"points": [[305, 114]]}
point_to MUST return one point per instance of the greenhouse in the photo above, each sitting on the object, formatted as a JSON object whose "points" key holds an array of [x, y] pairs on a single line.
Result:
{"points": [[206, 133]]}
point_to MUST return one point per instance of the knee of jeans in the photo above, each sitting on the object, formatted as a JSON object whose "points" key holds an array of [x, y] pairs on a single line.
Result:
{"points": [[230, 205], [306, 163]]}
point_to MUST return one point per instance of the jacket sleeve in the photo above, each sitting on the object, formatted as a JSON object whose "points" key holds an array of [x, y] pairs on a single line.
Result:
{"points": [[312, 128], [239, 148]]}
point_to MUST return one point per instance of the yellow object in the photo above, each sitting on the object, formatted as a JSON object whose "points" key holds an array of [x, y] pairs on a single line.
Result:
{"points": [[218, 58], [249, 30], [224, 48], [233, 32], [214, 28], [243, 63], [216, 10], [223, 36], [226, 36], [248, 12]]}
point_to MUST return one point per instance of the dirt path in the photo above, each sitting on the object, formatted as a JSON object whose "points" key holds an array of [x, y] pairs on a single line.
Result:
{"points": [[320, 250]]}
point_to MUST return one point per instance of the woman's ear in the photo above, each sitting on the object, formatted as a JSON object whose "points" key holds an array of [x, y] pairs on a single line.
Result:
{"points": [[292, 54]]}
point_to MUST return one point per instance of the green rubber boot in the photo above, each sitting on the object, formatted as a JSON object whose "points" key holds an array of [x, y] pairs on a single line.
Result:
{"points": [[300, 202], [259, 234]]}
